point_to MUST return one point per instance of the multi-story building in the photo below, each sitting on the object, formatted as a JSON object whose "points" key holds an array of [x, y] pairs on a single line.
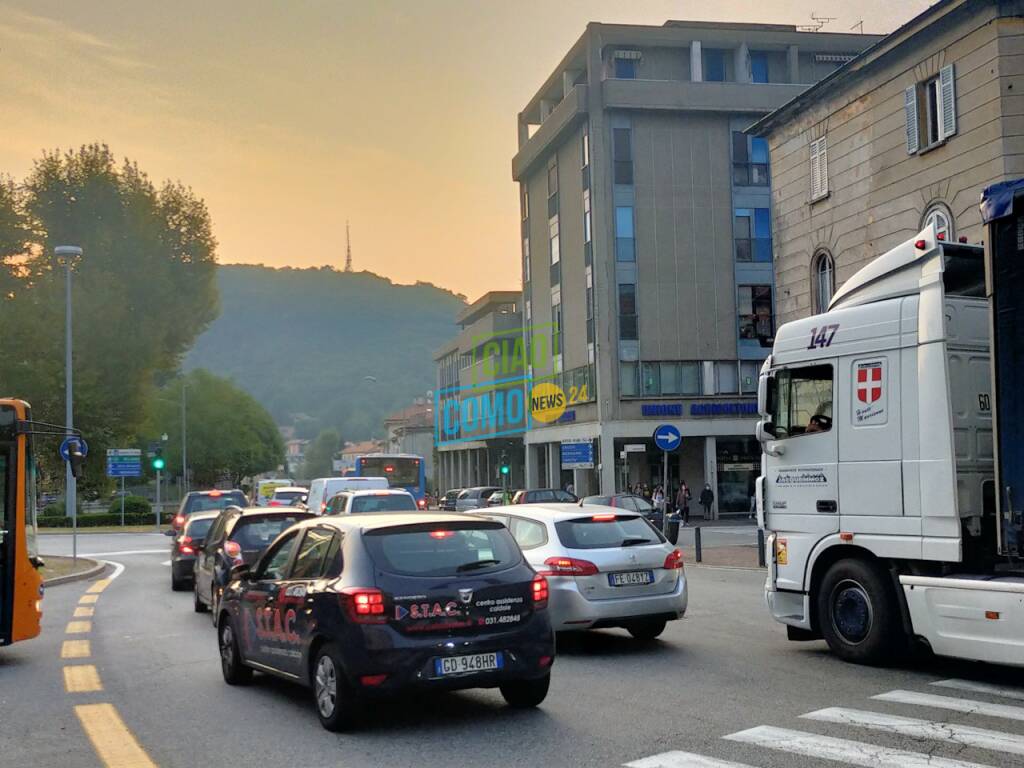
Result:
{"points": [[345, 459], [471, 368], [647, 246], [411, 430], [906, 134]]}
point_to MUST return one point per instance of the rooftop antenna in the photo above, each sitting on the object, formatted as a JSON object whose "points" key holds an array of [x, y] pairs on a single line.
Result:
{"points": [[859, 26], [348, 250], [817, 22]]}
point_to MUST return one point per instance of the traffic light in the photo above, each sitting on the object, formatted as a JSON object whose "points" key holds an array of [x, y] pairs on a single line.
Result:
{"points": [[158, 459], [503, 463]]}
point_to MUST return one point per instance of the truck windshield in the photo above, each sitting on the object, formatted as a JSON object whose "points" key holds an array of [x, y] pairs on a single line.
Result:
{"points": [[803, 401]]}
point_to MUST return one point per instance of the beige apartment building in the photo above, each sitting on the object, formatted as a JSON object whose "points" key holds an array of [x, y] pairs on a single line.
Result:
{"points": [[906, 134], [646, 243]]}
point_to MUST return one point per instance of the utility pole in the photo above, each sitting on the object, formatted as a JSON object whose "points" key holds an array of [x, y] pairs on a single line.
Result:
{"points": [[69, 252], [184, 438]]}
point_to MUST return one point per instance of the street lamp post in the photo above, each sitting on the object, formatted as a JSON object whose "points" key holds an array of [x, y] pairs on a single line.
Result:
{"points": [[184, 439], [69, 252]]}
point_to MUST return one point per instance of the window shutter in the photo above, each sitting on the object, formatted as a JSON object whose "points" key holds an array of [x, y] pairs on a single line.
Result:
{"points": [[947, 97], [823, 166], [815, 171], [910, 110]]}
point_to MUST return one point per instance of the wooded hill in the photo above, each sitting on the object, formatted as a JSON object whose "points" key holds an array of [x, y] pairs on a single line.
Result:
{"points": [[303, 341]]}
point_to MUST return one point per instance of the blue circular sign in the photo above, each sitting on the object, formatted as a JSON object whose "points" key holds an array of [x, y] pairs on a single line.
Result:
{"points": [[65, 447], [668, 437]]}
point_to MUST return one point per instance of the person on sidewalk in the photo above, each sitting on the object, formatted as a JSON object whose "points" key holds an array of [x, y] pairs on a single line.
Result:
{"points": [[707, 498], [683, 502]]}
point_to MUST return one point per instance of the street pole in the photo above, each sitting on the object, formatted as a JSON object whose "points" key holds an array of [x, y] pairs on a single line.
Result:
{"points": [[664, 492], [184, 439], [69, 252], [156, 506], [122, 502]]}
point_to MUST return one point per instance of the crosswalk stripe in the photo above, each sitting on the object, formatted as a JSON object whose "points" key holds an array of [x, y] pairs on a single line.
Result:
{"points": [[970, 706], [922, 729], [842, 750], [1004, 691], [676, 759]]}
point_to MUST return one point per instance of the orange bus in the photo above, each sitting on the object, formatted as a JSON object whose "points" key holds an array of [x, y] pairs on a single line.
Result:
{"points": [[21, 584]]}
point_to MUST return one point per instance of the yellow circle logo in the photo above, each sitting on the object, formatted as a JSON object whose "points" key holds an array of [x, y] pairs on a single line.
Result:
{"points": [[547, 402]]}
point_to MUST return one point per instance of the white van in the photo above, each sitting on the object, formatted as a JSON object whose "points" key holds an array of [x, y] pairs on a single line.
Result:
{"points": [[323, 488]]}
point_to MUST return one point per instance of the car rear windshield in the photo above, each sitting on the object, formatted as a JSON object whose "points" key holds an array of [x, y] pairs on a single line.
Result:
{"points": [[288, 496], [220, 501], [257, 531], [606, 532], [386, 502], [443, 549], [198, 529]]}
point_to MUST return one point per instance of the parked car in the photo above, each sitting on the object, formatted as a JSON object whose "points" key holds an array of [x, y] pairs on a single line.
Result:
{"points": [[496, 499], [206, 501], [544, 496], [288, 496], [426, 601], [630, 503], [237, 536], [359, 502], [474, 498], [606, 567], [447, 503], [323, 488], [184, 545]]}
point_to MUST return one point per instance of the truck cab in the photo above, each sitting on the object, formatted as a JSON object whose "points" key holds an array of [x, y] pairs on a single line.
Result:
{"points": [[878, 487]]}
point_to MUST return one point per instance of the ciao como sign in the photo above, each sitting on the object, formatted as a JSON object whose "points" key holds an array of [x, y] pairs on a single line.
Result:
{"points": [[508, 382]]}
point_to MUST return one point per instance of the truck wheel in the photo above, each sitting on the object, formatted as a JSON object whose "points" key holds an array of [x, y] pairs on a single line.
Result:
{"points": [[858, 614]]}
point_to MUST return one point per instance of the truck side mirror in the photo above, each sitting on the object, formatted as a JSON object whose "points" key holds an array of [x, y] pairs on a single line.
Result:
{"points": [[765, 431]]}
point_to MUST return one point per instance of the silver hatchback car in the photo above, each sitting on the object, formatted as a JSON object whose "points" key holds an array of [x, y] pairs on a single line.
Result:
{"points": [[606, 567]]}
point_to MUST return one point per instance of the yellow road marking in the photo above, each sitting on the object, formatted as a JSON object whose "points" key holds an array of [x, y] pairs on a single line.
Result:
{"points": [[83, 613], [81, 678], [114, 743], [75, 649], [88, 599], [98, 587], [78, 627]]}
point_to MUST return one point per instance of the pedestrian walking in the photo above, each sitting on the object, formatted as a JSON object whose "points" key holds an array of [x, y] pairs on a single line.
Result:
{"points": [[683, 502], [707, 498], [659, 500]]}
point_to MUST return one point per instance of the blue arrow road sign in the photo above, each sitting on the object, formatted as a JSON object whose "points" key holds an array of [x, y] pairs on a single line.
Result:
{"points": [[65, 447], [667, 437]]}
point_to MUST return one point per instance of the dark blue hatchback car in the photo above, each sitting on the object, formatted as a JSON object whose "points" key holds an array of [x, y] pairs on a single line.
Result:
{"points": [[369, 605]]}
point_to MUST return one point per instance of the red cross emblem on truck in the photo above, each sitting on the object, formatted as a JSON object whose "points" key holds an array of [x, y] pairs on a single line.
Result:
{"points": [[869, 383]]}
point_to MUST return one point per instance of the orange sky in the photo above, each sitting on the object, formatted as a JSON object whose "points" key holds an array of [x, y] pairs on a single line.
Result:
{"points": [[291, 117]]}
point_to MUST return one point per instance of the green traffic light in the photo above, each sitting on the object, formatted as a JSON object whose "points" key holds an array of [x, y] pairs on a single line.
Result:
{"points": [[158, 463], [504, 469]]}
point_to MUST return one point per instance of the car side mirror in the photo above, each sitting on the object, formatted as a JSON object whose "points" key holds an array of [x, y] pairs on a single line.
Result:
{"points": [[169, 532], [241, 571]]}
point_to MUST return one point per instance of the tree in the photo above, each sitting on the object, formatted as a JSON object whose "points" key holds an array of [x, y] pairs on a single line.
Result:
{"points": [[230, 435], [320, 455], [143, 290]]}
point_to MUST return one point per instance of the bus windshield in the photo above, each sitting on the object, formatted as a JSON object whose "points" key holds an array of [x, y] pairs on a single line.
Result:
{"points": [[400, 471]]}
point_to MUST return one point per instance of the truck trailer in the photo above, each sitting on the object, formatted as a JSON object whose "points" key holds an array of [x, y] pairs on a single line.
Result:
{"points": [[892, 430]]}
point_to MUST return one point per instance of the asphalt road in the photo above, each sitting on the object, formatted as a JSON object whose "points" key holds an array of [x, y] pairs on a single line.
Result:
{"points": [[722, 684]]}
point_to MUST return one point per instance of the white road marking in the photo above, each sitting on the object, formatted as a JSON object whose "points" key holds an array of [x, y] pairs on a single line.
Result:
{"points": [[118, 570], [922, 729], [126, 552], [676, 759], [842, 750], [969, 706], [993, 690], [166, 562]]}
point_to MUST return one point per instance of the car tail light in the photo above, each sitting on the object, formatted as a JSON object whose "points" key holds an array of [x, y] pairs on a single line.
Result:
{"points": [[371, 681], [545, 661], [179, 520], [441, 534], [422, 504], [214, 494], [604, 518], [233, 550], [274, 503], [539, 587], [365, 605], [674, 560], [568, 566], [184, 547]]}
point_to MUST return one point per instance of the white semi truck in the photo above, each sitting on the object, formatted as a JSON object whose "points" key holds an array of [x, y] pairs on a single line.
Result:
{"points": [[893, 470]]}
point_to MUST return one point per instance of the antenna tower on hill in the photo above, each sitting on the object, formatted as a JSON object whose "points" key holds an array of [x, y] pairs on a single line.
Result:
{"points": [[348, 250]]}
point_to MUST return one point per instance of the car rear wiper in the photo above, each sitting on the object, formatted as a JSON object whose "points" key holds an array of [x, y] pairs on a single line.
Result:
{"points": [[635, 542], [475, 564]]}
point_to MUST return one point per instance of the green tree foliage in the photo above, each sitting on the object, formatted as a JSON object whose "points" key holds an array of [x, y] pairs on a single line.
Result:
{"points": [[320, 455], [230, 435], [143, 291], [304, 341]]}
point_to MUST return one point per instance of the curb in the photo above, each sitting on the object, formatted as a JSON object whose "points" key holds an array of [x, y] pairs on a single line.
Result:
{"points": [[726, 567], [96, 570]]}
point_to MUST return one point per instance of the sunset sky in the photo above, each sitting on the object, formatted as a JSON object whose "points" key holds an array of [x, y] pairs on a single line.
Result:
{"points": [[291, 117]]}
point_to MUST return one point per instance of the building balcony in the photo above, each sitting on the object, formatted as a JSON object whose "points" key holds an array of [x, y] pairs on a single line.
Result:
{"points": [[563, 118], [700, 96]]}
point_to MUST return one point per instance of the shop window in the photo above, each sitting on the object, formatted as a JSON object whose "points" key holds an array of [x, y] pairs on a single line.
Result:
{"points": [[801, 401], [754, 308]]}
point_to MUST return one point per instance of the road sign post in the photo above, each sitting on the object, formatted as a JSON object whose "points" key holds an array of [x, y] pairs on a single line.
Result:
{"points": [[668, 438], [122, 463]]}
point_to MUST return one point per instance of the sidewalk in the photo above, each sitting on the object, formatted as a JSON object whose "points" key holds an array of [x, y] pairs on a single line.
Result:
{"points": [[732, 557]]}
